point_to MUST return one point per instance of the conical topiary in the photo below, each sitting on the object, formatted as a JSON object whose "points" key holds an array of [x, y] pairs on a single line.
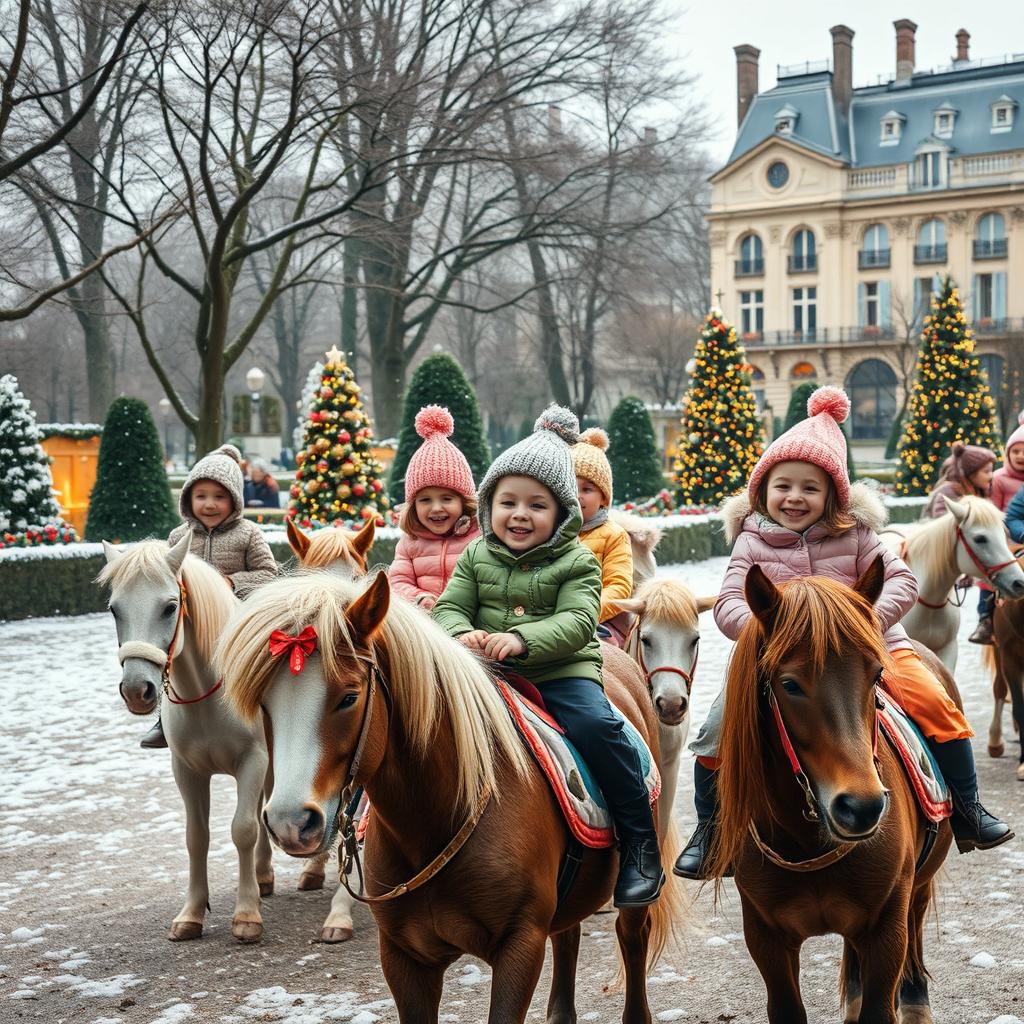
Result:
{"points": [[633, 451], [439, 380], [131, 499]]}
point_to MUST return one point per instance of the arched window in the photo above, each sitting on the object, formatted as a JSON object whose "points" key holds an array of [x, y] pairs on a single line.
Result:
{"points": [[931, 242], [803, 257], [871, 386], [751, 261], [990, 242], [757, 380], [803, 371], [994, 367], [875, 251]]}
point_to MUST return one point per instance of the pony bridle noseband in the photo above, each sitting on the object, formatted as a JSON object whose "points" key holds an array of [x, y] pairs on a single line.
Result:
{"points": [[987, 571], [650, 673]]}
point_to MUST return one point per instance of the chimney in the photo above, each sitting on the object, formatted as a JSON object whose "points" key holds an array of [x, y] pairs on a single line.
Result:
{"points": [[905, 30], [963, 43], [746, 78], [842, 66]]}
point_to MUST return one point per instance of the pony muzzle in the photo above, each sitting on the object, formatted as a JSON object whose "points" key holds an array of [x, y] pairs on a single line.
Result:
{"points": [[139, 693], [299, 833], [854, 818]]}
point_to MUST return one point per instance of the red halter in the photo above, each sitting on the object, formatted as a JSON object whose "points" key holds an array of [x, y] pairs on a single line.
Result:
{"points": [[687, 677], [987, 571]]}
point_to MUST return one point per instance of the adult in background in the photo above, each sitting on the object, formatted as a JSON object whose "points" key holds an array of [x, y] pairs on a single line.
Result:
{"points": [[261, 488]]}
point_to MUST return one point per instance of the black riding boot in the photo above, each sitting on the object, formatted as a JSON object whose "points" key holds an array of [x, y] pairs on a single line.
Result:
{"points": [[154, 739], [641, 876], [693, 861], [974, 828]]}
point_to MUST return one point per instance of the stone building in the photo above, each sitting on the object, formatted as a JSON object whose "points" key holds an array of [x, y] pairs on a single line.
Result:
{"points": [[838, 208]]}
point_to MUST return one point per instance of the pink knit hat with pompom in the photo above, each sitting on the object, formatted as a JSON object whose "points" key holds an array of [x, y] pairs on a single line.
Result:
{"points": [[437, 462], [1017, 437], [817, 440]]}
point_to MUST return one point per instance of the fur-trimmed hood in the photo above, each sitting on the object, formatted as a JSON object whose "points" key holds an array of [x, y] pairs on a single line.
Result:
{"points": [[865, 506]]}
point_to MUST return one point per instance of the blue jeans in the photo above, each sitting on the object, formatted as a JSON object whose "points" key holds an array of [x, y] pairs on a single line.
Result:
{"points": [[581, 708], [986, 602]]}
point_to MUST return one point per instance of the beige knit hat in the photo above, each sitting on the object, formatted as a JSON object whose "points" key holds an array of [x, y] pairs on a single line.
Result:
{"points": [[591, 462], [223, 467]]}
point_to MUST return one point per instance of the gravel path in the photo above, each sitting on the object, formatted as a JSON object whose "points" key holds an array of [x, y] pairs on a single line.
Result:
{"points": [[93, 868]]}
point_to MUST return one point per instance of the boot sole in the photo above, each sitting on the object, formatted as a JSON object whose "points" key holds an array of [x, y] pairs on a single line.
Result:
{"points": [[643, 903], [151, 745], [969, 845]]}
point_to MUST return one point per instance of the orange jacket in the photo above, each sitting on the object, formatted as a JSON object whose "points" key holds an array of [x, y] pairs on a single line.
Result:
{"points": [[609, 543]]}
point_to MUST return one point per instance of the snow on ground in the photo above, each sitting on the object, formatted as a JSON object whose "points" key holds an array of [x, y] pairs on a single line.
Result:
{"points": [[93, 868]]}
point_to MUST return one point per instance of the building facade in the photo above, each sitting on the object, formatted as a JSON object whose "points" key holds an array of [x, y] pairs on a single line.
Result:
{"points": [[839, 208]]}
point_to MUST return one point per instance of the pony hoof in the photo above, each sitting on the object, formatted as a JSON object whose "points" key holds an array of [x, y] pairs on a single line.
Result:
{"points": [[1020, 772], [334, 935], [247, 931], [916, 1015], [185, 931], [308, 882], [267, 887], [996, 751]]}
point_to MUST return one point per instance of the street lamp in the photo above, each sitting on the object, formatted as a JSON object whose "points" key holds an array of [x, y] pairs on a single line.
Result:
{"points": [[254, 382], [165, 415]]}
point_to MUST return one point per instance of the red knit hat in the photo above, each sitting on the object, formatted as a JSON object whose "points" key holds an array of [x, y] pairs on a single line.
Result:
{"points": [[437, 462], [817, 440]]}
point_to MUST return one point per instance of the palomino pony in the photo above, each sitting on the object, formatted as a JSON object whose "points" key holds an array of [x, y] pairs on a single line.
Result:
{"points": [[805, 783], [465, 842], [169, 608], [969, 539], [664, 641], [1006, 659], [333, 548]]}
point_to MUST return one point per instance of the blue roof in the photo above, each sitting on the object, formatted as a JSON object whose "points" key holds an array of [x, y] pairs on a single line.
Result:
{"points": [[820, 127]]}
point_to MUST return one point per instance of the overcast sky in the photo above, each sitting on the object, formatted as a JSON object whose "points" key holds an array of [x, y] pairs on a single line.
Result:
{"points": [[797, 30]]}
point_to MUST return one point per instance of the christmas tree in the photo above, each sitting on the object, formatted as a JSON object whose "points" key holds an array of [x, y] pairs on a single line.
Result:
{"points": [[26, 487], [309, 390], [722, 436], [131, 499], [949, 401], [633, 452], [338, 478], [439, 380]]}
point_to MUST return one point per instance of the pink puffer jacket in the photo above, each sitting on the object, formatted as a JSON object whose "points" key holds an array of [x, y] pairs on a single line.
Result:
{"points": [[785, 555], [423, 564], [1006, 482]]}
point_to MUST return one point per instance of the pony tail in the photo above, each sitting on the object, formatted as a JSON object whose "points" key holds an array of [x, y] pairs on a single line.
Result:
{"points": [[742, 788]]}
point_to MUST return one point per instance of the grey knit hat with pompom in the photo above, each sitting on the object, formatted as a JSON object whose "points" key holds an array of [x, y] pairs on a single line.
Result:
{"points": [[546, 457], [223, 467]]}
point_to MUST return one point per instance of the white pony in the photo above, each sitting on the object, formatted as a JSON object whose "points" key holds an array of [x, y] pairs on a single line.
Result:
{"points": [[169, 608], [969, 539]]}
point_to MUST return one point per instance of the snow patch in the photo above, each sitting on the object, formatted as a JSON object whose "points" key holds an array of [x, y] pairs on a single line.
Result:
{"points": [[983, 959], [26, 934]]}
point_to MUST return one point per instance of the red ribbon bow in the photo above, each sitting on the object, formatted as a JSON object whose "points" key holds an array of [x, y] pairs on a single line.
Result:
{"points": [[300, 647]]}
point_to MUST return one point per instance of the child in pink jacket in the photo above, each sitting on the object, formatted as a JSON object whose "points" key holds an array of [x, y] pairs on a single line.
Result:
{"points": [[1007, 479], [439, 517], [800, 517]]}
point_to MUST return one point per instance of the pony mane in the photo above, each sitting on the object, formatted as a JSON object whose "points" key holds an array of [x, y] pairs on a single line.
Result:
{"points": [[430, 675], [668, 601], [210, 600], [818, 617], [327, 547], [931, 547]]}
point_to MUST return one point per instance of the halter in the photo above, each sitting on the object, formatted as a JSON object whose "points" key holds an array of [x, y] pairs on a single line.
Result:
{"points": [[634, 640], [150, 652], [987, 571]]}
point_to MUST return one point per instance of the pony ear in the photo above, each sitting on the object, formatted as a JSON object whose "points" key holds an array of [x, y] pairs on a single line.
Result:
{"points": [[762, 596], [872, 580], [705, 604], [112, 554], [959, 509], [176, 554], [367, 612], [630, 604], [297, 540], [363, 540]]}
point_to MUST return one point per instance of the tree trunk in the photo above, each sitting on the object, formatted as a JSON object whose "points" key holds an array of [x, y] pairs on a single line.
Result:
{"points": [[350, 303], [209, 432]]}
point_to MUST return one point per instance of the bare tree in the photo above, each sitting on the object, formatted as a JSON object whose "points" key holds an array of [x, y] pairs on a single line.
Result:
{"points": [[655, 343]]}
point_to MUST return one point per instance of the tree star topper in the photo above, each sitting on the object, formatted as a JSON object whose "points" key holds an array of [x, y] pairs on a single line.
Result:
{"points": [[332, 355]]}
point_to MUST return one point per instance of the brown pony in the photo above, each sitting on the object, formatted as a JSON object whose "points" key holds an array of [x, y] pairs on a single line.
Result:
{"points": [[465, 841], [332, 547], [1006, 658], [841, 856]]}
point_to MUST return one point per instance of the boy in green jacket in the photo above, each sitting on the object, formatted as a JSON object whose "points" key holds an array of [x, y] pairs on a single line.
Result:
{"points": [[528, 593]]}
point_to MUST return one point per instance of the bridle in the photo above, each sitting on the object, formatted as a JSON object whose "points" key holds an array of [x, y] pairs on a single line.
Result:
{"points": [[635, 648], [987, 571], [165, 659]]}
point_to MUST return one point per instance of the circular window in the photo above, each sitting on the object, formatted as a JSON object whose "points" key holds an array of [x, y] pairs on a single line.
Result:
{"points": [[778, 174]]}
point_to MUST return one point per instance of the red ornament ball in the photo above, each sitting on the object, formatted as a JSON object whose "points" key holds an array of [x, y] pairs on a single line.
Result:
{"points": [[344, 436], [322, 466], [377, 486], [326, 392], [359, 490], [314, 417], [294, 490]]}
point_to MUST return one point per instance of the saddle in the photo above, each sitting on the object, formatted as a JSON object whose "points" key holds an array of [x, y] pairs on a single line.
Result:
{"points": [[578, 796], [933, 796]]}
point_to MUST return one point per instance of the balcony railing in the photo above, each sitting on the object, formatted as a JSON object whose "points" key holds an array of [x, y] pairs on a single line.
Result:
{"points": [[930, 253], [993, 250], [998, 325], [867, 258], [749, 268], [802, 264], [868, 334]]}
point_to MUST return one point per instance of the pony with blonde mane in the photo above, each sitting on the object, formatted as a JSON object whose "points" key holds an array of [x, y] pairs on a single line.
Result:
{"points": [[335, 548], [388, 701], [169, 608], [664, 641], [970, 538], [817, 819]]}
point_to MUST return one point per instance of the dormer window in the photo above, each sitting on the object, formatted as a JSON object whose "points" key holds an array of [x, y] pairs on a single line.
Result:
{"points": [[785, 120], [1003, 113], [892, 128], [945, 117]]}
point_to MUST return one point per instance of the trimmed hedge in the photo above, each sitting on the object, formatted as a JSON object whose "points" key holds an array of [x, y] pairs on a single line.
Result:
{"points": [[64, 585]]}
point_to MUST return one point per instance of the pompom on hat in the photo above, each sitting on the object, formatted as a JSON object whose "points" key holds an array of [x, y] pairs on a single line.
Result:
{"points": [[818, 440], [1017, 437], [591, 463], [437, 462]]}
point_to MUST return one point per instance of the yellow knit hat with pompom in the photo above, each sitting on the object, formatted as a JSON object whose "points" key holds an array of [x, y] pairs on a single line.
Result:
{"points": [[588, 456]]}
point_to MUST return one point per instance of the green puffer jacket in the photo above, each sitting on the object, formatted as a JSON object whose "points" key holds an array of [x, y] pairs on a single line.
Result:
{"points": [[548, 596]]}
